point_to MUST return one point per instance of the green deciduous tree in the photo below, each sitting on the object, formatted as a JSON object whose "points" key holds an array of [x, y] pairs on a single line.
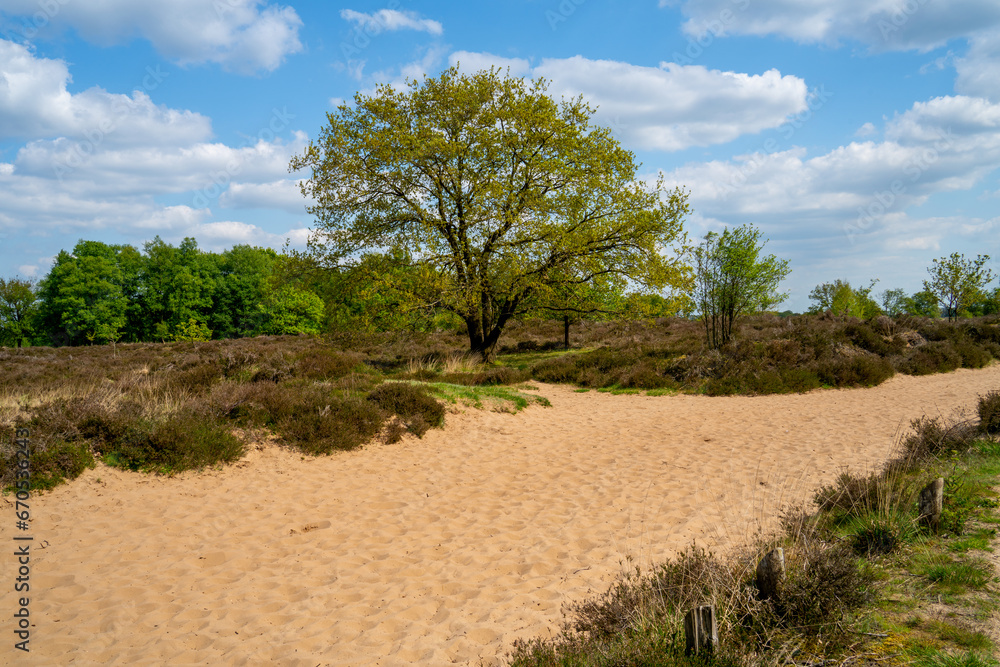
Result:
{"points": [[496, 193], [733, 278], [923, 304], [893, 301], [291, 310], [245, 276], [179, 284], [843, 300], [958, 282], [82, 297], [18, 308]]}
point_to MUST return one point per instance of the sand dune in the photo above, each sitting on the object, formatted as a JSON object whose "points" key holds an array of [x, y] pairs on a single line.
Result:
{"points": [[435, 551]]}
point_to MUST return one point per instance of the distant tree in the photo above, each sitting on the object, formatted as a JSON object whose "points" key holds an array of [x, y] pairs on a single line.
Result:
{"points": [[496, 192], [244, 277], [82, 297], [958, 282], [843, 300], [18, 309], [732, 279], [893, 301], [179, 284], [989, 304], [923, 304], [291, 310]]}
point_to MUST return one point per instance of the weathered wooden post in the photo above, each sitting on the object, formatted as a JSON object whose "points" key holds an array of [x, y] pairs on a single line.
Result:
{"points": [[932, 503], [770, 572], [700, 632]]}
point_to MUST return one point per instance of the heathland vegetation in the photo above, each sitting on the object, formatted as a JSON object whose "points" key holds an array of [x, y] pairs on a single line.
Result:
{"points": [[867, 580]]}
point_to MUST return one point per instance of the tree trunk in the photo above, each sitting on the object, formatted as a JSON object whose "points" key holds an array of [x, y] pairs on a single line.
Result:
{"points": [[565, 332]]}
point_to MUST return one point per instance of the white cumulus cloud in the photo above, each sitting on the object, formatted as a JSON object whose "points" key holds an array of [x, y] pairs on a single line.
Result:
{"points": [[667, 108], [241, 35], [35, 103]]}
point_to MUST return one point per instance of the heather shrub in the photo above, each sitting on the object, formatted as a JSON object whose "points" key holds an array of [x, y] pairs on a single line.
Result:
{"points": [[863, 370], [989, 413], [418, 410], [271, 367], [196, 378], [182, 441], [938, 356], [325, 364], [823, 582], [867, 339], [320, 425], [932, 438], [501, 375], [51, 464], [972, 355]]}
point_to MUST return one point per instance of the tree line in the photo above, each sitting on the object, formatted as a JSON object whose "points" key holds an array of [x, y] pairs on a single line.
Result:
{"points": [[104, 293]]}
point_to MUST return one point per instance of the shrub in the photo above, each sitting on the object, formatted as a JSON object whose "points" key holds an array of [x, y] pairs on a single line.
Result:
{"points": [[501, 375], [183, 441], [931, 438], [418, 409], [972, 355], [325, 364], [56, 463], [822, 583], [878, 537], [196, 379], [935, 357], [644, 376], [559, 369], [989, 413], [324, 424], [867, 339], [864, 370]]}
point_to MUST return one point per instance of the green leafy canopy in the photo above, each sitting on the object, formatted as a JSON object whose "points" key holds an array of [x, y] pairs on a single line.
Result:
{"points": [[503, 197]]}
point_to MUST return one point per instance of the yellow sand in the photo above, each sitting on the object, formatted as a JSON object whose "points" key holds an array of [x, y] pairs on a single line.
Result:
{"points": [[434, 551]]}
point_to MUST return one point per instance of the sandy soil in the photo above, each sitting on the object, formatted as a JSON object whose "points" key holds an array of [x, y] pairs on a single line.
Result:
{"points": [[434, 551]]}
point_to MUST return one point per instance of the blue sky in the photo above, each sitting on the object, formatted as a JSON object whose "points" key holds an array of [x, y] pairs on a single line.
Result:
{"points": [[862, 136]]}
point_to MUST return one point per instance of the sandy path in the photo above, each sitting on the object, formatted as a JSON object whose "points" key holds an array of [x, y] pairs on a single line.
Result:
{"points": [[432, 551]]}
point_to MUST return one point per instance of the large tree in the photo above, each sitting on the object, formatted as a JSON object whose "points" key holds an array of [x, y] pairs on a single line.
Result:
{"points": [[494, 190], [733, 278], [958, 282], [83, 297]]}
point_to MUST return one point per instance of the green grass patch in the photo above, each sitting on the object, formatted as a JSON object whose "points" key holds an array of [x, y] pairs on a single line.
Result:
{"points": [[499, 398], [978, 540]]}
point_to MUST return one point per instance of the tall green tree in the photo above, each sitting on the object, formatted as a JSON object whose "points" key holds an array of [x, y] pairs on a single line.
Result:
{"points": [[291, 310], [958, 282], [179, 285], [843, 300], [244, 279], [494, 190], [923, 304], [18, 309], [893, 301], [82, 297], [733, 278]]}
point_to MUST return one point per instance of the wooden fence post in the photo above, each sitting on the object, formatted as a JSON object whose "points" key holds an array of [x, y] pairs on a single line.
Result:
{"points": [[700, 632], [770, 572], [932, 503]]}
